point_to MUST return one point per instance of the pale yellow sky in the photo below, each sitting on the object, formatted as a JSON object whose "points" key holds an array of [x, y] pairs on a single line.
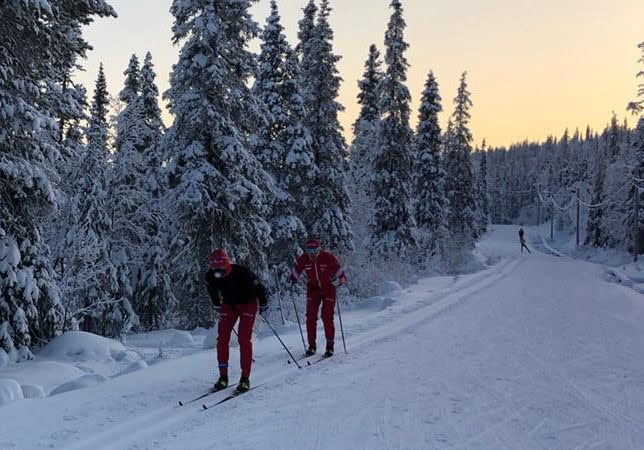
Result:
{"points": [[535, 67]]}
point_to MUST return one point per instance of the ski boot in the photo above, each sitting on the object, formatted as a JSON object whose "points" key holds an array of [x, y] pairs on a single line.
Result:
{"points": [[310, 351], [243, 386], [222, 383], [328, 353]]}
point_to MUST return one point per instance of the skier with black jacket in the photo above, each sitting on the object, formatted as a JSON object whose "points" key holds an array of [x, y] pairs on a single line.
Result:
{"points": [[236, 293], [522, 240]]}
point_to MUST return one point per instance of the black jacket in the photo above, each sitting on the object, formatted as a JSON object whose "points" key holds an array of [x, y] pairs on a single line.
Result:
{"points": [[241, 286]]}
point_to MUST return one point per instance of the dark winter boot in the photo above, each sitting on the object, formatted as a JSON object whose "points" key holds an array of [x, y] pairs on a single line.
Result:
{"points": [[328, 353], [310, 351], [243, 386], [222, 383]]}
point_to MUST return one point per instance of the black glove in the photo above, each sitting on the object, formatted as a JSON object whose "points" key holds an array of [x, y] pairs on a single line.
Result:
{"points": [[217, 307], [263, 307]]}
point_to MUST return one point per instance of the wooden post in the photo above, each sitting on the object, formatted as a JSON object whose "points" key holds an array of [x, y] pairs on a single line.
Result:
{"points": [[552, 222], [577, 215]]}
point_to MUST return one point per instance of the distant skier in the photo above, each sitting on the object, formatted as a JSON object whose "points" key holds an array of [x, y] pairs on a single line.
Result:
{"points": [[235, 292], [323, 276], [522, 239]]}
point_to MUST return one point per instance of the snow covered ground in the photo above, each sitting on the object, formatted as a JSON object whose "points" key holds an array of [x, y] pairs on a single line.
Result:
{"points": [[536, 352]]}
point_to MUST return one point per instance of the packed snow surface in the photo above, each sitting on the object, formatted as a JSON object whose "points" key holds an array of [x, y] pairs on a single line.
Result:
{"points": [[535, 352]]}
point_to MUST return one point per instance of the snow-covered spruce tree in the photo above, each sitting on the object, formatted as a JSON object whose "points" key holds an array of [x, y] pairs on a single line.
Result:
{"points": [[365, 131], [220, 195], [306, 30], [482, 198], [153, 124], [127, 136], [635, 220], [460, 185], [595, 235], [431, 201], [393, 226], [637, 106], [613, 138], [320, 86], [154, 299], [615, 218], [129, 200], [89, 281], [283, 144], [635, 217], [31, 100]]}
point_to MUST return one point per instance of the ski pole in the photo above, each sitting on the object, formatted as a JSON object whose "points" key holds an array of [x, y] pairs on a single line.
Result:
{"points": [[344, 344], [299, 324], [279, 294], [280, 339]]}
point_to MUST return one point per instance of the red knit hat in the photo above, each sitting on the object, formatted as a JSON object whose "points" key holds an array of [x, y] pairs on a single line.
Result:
{"points": [[219, 260], [312, 243]]}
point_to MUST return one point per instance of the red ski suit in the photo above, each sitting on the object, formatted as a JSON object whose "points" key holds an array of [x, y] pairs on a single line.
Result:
{"points": [[323, 274]]}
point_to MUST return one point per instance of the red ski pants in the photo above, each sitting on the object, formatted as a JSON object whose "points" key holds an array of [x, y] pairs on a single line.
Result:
{"points": [[227, 318], [314, 299]]}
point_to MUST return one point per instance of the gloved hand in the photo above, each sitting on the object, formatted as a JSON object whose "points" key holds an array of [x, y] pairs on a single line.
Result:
{"points": [[292, 279], [217, 307], [339, 281], [263, 308]]}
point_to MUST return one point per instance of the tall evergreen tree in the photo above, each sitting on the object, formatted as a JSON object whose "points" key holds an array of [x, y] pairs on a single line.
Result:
{"points": [[306, 32], [365, 131], [431, 204], [154, 127], [154, 298], [33, 104], [365, 128], [636, 192], [635, 218], [393, 227], [283, 143], [320, 87], [460, 185], [220, 193], [129, 119], [595, 234], [90, 280], [637, 106], [482, 198]]}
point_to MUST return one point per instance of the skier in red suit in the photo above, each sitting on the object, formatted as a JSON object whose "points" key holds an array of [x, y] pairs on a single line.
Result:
{"points": [[323, 276]]}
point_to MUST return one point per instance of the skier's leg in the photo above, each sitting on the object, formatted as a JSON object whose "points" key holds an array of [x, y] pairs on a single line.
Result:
{"points": [[328, 307], [312, 307], [247, 314], [227, 319]]}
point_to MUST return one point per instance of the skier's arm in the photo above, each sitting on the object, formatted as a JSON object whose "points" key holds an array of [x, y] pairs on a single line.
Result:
{"points": [[215, 294], [296, 271], [258, 290], [339, 278]]}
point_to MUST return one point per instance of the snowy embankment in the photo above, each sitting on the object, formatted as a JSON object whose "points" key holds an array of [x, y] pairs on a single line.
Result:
{"points": [[534, 352], [619, 266]]}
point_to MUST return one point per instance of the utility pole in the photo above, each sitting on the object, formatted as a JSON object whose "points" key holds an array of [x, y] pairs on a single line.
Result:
{"points": [[552, 222], [577, 214]]}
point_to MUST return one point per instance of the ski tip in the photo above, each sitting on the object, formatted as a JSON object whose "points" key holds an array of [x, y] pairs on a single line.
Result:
{"points": [[308, 363], [180, 403], [288, 361], [204, 406]]}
